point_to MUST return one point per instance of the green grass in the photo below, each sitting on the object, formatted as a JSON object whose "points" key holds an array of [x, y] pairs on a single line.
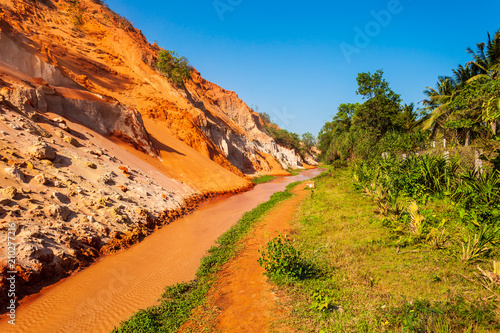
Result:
{"points": [[263, 179], [179, 300], [363, 285], [294, 172]]}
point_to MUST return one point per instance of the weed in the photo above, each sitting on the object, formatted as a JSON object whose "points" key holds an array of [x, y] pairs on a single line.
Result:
{"points": [[437, 238], [281, 260], [477, 245], [321, 301], [76, 11], [456, 315], [263, 179], [417, 223]]}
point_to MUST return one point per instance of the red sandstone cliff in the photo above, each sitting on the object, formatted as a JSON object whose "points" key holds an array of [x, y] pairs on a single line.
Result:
{"points": [[97, 148]]}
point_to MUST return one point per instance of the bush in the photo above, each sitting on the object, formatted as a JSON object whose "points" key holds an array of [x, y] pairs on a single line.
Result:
{"points": [[281, 260], [174, 67]]}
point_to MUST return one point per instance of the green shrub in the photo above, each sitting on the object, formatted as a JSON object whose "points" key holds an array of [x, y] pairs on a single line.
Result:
{"points": [[174, 67], [281, 259], [263, 179]]}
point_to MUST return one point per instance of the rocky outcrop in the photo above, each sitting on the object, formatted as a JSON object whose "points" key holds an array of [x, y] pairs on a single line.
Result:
{"points": [[311, 159], [212, 120], [64, 214], [235, 128], [92, 110], [287, 157], [30, 64], [42, 150]]}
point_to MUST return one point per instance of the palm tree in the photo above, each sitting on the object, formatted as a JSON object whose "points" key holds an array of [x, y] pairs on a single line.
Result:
{"points": [[463, 74], [486, 64], [438, 100], [409, 117], [486, 60]]}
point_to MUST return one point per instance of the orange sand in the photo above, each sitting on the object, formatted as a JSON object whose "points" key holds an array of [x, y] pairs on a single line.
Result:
{"points": [[244, 297]]}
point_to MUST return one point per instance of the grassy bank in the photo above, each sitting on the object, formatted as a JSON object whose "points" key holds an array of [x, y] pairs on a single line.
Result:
{"points": [[263, 179], [179, 300], [294, 172], [349, 272]]}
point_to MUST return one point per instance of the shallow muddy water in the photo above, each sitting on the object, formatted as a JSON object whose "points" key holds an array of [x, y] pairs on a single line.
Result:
{"points": [[111, 290]]}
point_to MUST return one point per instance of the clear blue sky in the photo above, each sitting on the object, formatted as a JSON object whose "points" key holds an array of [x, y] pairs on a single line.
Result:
{"points": [[298, 60]]}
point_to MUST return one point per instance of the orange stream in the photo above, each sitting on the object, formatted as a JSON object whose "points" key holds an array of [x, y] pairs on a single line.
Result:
{"points": [[111, 290]]}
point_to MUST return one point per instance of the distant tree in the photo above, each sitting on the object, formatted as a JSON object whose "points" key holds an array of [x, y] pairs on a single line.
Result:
{"points": [[408, 117], [266, 119], [438, 101], [372, 85], [344, 115], [380, 112], [308, 140]]}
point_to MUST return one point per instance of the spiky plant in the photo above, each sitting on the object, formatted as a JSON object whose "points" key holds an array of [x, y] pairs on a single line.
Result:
{"points": [[417, 220]]}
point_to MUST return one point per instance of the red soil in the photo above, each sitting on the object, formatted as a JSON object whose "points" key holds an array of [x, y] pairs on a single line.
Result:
{"points": [[245, 300]]}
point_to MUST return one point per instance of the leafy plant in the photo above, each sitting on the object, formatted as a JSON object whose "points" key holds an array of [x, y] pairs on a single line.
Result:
{"points": [[321, 301], [174, 67], [477, 245], [437, 238], [281, 259], [417, 220]]}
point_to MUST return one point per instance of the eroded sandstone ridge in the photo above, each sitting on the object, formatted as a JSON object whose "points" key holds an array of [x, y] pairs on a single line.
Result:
{"points": [[97, 148]]}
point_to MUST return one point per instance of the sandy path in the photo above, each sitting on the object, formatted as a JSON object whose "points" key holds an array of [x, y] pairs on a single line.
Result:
{"points": [[243, 295]]}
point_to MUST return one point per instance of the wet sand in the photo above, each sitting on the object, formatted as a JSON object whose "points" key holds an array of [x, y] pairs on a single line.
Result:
{"points": [[112, 289]]}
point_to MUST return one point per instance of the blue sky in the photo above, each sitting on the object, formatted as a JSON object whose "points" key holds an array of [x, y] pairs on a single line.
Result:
{"points": [[298, 61]]}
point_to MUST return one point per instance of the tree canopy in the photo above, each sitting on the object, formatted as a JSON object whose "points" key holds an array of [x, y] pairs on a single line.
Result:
{"points": [[462, 106]]}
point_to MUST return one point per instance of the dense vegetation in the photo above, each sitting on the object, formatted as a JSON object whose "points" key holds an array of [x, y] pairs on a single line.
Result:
{"points": [[419, 253], [462, 108], [346, 270], [364, 130], [173, 66]]}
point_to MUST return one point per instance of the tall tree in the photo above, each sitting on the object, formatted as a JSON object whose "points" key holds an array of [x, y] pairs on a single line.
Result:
{"points": [[408, 117], [486, 60], [308, 140], [438, 101], [380, 112]]}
